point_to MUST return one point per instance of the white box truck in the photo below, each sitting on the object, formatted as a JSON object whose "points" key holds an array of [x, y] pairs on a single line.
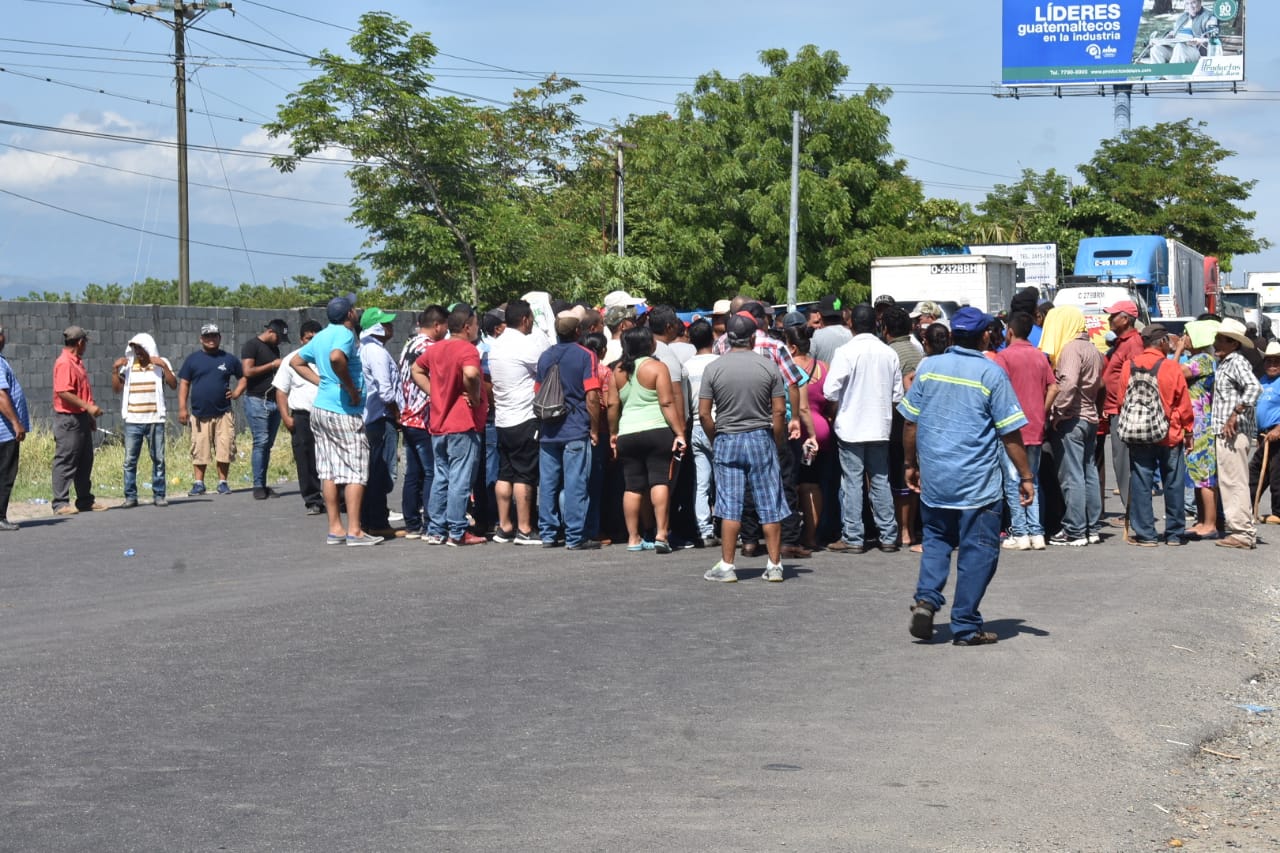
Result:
{"points": [[986, 282], [1267, 285]]}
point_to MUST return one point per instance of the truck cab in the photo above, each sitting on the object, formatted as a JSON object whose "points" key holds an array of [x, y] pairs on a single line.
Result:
{"points": [[1094, 297]]}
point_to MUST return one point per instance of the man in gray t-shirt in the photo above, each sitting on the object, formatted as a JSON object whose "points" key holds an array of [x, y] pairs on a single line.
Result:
{"points": [[832, 334], [749, 399]]}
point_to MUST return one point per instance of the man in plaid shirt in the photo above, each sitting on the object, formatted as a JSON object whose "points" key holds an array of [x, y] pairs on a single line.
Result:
{"points": [[1234, 425], [419, 462]]}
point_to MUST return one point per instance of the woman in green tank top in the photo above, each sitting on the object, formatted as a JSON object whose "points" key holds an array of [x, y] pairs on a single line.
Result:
{"points": [[647, 429]]}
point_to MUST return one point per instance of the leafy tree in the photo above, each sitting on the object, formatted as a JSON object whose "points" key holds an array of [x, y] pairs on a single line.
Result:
{"points": [[709, 187], [1038, 208], [1166, 180], [601, 274], [450, 193]]}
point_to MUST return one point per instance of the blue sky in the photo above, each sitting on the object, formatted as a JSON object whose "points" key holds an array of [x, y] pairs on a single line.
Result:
{"points": [[942, 59]]}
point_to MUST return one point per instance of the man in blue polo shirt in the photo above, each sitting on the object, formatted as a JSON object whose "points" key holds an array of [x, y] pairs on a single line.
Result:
{"points": [[960, 409]]}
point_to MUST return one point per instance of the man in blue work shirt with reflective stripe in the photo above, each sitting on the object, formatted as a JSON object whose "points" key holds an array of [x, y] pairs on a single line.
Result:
{"points": [[960, 409]]}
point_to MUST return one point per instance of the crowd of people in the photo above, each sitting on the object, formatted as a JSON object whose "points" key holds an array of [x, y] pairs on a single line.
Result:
{"points": [[845, 428]]}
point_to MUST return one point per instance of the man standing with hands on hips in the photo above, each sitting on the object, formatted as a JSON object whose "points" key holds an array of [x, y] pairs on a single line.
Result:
{"points": [[75, 417]]}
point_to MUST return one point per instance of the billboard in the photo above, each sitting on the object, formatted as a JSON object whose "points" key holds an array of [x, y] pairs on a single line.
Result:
{"points": [[1037, 262], [1122, 41]]}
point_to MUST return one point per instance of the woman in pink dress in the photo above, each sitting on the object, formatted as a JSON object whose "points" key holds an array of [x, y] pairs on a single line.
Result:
{"points": [[809, 478]]}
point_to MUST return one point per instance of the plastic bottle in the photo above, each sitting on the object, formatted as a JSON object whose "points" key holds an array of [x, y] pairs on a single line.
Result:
{"points": [[129, 553]]}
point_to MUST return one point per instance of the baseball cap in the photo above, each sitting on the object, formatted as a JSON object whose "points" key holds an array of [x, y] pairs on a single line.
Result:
{"points": [[721, 306], [621, 297], [614, 315], [969, 320], [338, 309], [71, 334], [280, 327], [794, 318], [884, 299], [1154, 332], [829, 306], [1124, 306], [375, 317], [209, 329], [741, 328], [926, 307]]}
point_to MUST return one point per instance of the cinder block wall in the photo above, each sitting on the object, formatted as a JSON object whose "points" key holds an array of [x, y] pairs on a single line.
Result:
{"points": [[35, 340]]}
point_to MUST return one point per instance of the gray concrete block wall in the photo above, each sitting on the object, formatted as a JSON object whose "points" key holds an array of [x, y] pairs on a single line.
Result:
{"points": [[35, 341]]}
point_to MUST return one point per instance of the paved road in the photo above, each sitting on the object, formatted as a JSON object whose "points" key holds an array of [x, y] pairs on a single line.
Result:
{"points": [[238, 685]]}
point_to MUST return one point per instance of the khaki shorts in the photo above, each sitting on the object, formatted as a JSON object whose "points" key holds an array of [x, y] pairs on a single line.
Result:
{"points": [[213, 435]]}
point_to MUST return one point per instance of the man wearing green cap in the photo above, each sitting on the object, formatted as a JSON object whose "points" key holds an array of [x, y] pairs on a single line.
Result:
{"points": [[381, 418]]}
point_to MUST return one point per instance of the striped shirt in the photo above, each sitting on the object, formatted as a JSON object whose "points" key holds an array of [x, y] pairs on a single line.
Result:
{"points": [[961, 403], [1234, 385], [143, 401]]}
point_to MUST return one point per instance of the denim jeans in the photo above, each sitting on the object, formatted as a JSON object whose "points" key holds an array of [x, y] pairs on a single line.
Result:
{"points": [[456, 456], [263, 420], [564, 470], [1074, 443], [703, 468], [976, 534], [419, 473], [134, 434], [382, 454], [869, 458], [1144, 461], [1023, 520]]}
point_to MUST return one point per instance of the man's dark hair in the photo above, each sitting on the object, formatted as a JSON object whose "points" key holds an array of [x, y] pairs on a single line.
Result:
{"points": [[517, 310], [662, 318], [864, 319], [937, 338], [1021, 323], [558, 305], [490, 322], [701, 334], [433, 315], [309, 327], [896, 321], [459, 317], [968, 340]]}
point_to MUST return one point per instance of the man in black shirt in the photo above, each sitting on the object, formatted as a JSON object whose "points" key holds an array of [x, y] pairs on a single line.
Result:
{"points": [[261, 358]]}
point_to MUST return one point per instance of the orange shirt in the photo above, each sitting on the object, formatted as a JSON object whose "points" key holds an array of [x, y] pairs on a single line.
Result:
{"points": [[69, 375], [1173, 393]]}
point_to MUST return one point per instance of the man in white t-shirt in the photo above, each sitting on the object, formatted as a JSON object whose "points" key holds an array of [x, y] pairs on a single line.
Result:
{"points": [[513, 369], [294, 399]]}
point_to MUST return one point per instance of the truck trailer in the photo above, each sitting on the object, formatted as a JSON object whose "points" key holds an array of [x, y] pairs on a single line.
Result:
{"points": [[1173, 279], [986, 282]]}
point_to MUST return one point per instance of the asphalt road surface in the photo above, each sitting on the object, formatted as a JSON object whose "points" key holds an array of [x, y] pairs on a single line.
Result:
{"points": [[239, 685]]}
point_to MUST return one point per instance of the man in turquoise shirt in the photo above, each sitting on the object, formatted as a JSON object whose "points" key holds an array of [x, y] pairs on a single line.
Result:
{"points": [[959, 411]]}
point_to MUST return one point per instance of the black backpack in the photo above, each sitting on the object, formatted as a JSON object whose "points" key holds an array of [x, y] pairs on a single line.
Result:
{"points": [[549, 405]]}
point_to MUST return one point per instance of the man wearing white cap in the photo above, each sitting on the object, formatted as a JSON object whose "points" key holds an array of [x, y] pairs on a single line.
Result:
{"points": [[1234, 423], [140, 378]]}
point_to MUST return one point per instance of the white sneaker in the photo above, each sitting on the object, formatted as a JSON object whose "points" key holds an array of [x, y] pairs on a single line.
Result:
{"points": [[773, 573], [1094, 539], [721, 572], [1037, 543], [1017, 543], [395, 516]]}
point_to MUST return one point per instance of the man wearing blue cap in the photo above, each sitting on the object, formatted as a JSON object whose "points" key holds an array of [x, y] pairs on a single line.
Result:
{"points": [[960, 409]]}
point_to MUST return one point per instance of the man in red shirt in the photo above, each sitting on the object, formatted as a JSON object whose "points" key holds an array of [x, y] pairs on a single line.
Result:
{"points": [[75, 417], [1166, 454], [449, 372], [1128, 347], [1035, 386]]}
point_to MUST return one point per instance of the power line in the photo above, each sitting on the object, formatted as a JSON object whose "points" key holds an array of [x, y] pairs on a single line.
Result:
{"points": [[147, 231]]}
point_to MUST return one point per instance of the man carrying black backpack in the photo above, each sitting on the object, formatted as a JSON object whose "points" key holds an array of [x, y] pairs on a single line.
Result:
{"points": [[1143, 410]]}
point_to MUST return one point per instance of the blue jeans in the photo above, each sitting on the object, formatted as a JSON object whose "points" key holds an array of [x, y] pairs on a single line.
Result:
{"points": [[872, 459], [1145, 460], [456, 455], [1023, 520], [382, 457], [976, 534], [133, 438], [703, 457], [263, 420], [419, 472], [1074, 444], [563, 467]]}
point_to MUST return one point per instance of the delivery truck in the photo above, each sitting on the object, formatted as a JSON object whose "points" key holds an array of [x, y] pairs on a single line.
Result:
{"points": [[1267, 286], [986, 282]]}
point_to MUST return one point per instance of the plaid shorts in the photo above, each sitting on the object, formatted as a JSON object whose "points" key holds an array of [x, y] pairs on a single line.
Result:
{"points": [[748, 457], [342, 448]]}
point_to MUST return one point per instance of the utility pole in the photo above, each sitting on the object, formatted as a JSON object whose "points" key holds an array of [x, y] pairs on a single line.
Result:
{"points": [[794, 229], [619, 192], [185, 13]]}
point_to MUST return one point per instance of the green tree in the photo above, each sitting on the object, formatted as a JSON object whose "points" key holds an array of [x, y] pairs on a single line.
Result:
{"points": [[450, 193], [708, 190], [1167, 180]]}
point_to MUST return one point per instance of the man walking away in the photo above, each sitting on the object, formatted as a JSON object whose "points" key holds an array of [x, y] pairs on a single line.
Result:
{"points": [[960, 409], [295, 398], [205, 393], [15, 421], [260, 359], [75, 417], [140, 377], [746, 392]]}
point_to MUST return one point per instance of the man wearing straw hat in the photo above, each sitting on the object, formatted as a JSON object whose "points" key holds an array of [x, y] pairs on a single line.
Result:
{"points": [[1264, 467], [1235, 395]]}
